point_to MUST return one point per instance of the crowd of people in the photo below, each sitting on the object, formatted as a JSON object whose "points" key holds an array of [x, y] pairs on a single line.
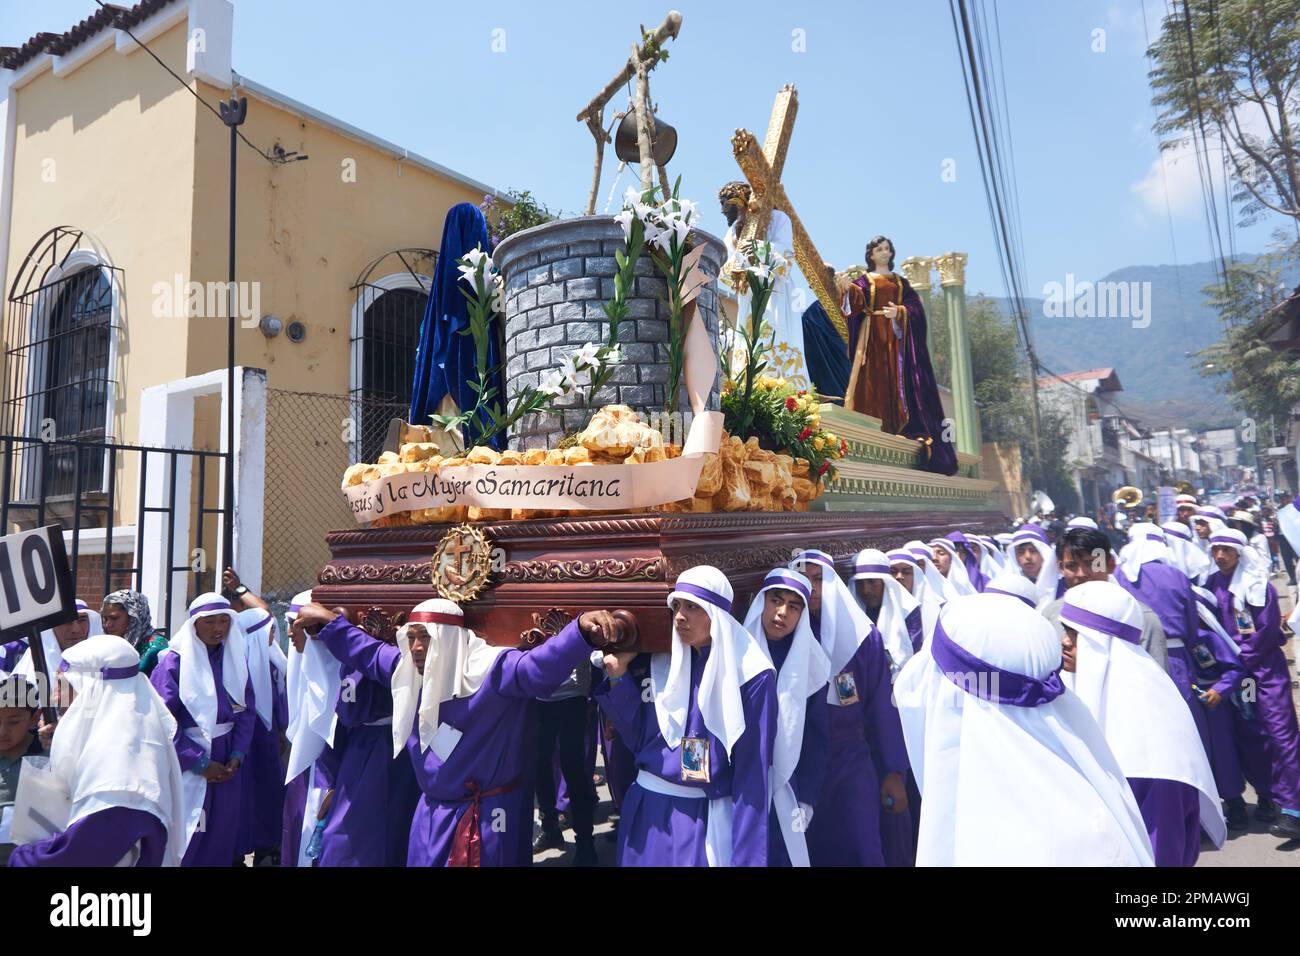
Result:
{"points": [[1053, 695]]}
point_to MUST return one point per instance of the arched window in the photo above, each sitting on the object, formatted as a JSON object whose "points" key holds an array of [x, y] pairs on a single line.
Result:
{"points": [[385, 332]]}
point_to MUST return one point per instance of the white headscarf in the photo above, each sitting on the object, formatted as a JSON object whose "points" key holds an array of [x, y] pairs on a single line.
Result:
{"points": [[198, 691], [259, 625], [956, 583], [1144, 717], [1146, 542], [1009, 785], [1188, 558], [457, 662], [26, 666], [735, 658], [805, 672], [896, 604], [991, 558], [1249, 582], [843, 624], [934, 581], [114, 746], [1049, 576], [1016, 585], [312, 682], [1003, 540], [1081, 521]]}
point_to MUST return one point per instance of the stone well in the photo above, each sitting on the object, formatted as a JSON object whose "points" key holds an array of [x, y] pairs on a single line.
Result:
{"points": [[558, 277]]}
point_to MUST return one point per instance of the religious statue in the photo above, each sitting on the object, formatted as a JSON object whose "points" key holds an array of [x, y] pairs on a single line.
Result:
{"points": [[786, 358], [891, 377]]}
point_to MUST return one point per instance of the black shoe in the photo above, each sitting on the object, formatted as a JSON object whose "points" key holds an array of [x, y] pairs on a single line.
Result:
{"points": [[1234, 812], [586, 854], [1266, 811], [1287, 827], [548, 838]]}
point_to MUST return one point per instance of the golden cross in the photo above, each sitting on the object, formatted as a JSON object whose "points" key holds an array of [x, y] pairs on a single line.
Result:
{"points": [[454, 561], [762, 167]]}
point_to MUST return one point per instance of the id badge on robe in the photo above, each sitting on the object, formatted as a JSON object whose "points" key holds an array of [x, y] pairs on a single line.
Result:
{"points": [[846, 688], [445, 741], [1204, 659], [1245, 623], [695, 759]]}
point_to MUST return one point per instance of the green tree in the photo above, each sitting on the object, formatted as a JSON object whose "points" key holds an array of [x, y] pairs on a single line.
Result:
{"points": [[1228, 71]]}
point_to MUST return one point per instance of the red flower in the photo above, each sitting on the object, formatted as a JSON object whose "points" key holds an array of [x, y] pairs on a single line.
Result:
{"points": [[822, 470], [805, 434], [844, 447], [791, 404]]}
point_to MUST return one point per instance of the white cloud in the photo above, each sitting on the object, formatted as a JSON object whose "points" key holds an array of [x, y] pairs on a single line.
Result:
{"points": [[1171, 182]]}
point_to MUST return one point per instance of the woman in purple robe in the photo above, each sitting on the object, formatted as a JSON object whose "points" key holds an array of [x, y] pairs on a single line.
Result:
{"points": [[1268, 739], [701, 720], [113, 751], [1144, 719], [865, 757], [202, 677], [460, 708], [892, 378]]}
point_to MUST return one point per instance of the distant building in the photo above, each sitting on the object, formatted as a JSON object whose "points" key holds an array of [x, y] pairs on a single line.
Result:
{"points": [[1098, 431]]}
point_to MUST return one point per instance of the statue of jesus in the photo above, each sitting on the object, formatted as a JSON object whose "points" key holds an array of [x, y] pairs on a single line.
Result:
{"points": [[892, 378]]}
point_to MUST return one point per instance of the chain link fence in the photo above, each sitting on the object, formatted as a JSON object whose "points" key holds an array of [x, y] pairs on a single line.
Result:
{"points": [[311, 439]]}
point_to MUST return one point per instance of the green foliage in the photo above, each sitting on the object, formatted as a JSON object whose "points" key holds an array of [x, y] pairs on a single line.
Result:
{"points": [[511, 215], [784, 420]]}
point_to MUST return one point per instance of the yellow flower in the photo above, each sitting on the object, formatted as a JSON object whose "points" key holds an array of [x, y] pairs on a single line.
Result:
{"points": [[819, 443]]}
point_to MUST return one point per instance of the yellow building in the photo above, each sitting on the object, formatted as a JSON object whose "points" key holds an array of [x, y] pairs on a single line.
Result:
{"points": [[114, 206]]}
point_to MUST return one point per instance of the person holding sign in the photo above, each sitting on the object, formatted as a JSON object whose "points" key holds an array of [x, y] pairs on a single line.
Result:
{"points": [[112, 752], [18, 717], [460, 709], [702, 721], [202, 677]]}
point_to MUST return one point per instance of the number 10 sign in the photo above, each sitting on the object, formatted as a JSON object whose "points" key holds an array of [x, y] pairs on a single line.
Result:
{"points": [[35, 586]]}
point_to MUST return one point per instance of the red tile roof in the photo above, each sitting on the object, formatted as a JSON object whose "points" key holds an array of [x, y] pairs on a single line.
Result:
{"points": [[59, 44]]}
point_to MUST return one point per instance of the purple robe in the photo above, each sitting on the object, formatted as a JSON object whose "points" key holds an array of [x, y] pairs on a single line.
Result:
{"points": [[925, 414], [864, 739], [100, 839], [214, 843], [262, 777], [1171, 811], [620, 762], [369, 819], [1268, 739], [659, 830], [810, 772], [295, 801], [493, 754], [916, 629]]}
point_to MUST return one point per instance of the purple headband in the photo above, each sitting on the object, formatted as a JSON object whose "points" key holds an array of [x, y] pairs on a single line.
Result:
{"points": [[1086, 618], [1004, 687], [902, 557], [1030, 532], [819, 556], [871, 569], [1179, 533], [294, 609], [991, 589], [778, 579], [109, 673], [259, 625], [704, 594], [1226, 539], [213, 606], [919, 554]]}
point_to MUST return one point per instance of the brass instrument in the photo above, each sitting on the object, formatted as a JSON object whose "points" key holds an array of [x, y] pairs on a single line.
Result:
{"points": [[1127, 497]]}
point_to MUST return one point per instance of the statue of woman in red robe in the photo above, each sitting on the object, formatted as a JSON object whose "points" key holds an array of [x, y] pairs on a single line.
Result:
{"points": [[892, 378]]}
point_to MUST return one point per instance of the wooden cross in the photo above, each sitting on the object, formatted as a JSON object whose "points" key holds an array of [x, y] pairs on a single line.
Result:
{"points": [[762, 168]]}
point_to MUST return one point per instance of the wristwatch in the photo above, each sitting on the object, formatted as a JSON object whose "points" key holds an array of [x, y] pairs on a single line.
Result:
{"points": [[240, 591]]}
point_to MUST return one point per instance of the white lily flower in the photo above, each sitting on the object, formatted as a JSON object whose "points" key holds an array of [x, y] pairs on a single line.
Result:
{"points": [[759, 272], [477, 255], [624, 219], [574, 377], [614, 355], [686, 209], [588, 355], [553, 384]]}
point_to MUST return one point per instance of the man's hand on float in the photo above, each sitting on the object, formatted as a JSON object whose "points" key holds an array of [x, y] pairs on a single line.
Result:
{"points": [[599, 628], [311, 618], [616, 664]]}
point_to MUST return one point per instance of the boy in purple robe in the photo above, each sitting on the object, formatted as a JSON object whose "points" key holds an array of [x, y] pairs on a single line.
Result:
{"points": [[460, 708], [701, 720], [1144, 719], [202, 677], [865, 755], [778, 621], [113, 752], [1268, 739]]}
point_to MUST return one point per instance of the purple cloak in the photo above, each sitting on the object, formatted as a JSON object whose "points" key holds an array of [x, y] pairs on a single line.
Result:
{"points": [[100, 839], [262, 777], [660, 830], [492, 756], [620, 762], [1171, 811], [863, 739], [214, 842], [1268, 739]]}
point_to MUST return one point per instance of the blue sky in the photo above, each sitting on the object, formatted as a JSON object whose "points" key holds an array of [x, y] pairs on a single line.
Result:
{"points": [[882, 107]]}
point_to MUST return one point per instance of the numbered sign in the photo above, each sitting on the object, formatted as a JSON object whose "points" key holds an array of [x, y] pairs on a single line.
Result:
{"points": [[35, 586]]}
